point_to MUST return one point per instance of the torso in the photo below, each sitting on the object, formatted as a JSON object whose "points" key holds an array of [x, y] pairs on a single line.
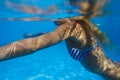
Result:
{"points": [[96, 61]]}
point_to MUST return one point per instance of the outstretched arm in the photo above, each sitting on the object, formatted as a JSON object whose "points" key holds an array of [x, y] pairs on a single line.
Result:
{"points": [[27, 46]]}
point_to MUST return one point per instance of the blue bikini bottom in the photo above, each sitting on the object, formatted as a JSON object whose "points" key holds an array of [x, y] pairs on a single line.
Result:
{"points": [[81, 54]]}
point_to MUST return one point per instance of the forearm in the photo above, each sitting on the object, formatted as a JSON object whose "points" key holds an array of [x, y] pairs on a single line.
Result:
{"points": [[24, 47], [15, 49], [27, 46]]}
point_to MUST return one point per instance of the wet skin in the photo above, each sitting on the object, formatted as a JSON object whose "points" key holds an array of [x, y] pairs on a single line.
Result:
{"points": [[78, 34]]}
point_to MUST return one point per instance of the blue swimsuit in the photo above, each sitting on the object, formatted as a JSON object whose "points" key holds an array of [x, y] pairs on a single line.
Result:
{"points": [[81, 54]]}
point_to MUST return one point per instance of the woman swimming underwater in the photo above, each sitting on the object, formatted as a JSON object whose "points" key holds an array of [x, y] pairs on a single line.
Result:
{"points": [[82, 39]]}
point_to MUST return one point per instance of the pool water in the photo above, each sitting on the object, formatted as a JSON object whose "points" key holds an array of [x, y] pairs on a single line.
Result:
{"points": [[52, 63]]}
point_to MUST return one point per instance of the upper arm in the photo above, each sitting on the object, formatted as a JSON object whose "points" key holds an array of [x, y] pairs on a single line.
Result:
{"points": [[61, 33]]}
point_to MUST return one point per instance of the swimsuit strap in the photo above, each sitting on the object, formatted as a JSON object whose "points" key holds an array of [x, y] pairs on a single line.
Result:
{"points": [[81, 54]]}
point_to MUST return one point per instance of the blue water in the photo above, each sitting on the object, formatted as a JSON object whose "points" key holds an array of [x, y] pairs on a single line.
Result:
{"points": [[52, 63]]}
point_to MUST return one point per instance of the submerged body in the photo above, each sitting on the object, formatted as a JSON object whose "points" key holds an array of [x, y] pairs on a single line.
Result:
{"points": [[77, 35], [81, 35]]}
